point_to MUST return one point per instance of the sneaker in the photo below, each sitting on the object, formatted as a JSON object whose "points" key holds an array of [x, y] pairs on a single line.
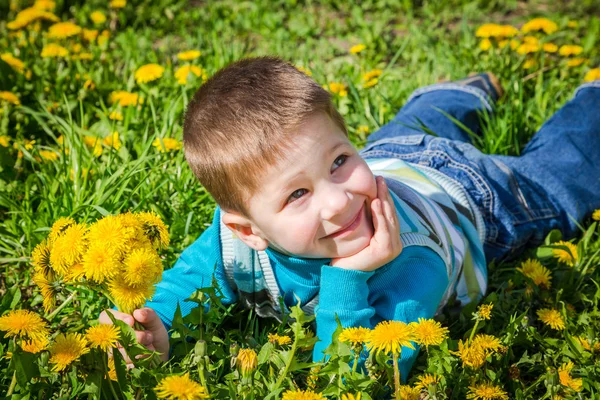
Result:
{"points": [[485, 81]]}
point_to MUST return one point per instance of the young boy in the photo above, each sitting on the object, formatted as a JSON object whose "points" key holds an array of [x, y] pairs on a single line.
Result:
{"points": [[303, 216]]}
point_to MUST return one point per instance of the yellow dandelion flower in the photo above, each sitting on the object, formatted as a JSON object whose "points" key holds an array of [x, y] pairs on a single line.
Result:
{"points": [[35, 345], [590, 76], [115, 116], [14, 62], [29, 15], [66, 349], [564, 375], [596, 214], [528, 48], [488, 343], [247, 361], [101, 262], [302, 395], [75, 273], [485, 311], [46, 5], [112, 372], [124, 98], [148, 73], [485, 44], [24, 323], [355, 336], [142, 267], [154, 228], [5, 140], [129, 298], [508, 31], [280, 340], [112, 141], [375, 73], [370, 83], [540, 24], [552, 318], [68, 249], [98, 17], [566, 257], [40, 257], [357, 48], [183, 73], [54, 50], [338, 88], [180, 388], [118, 4], [486, 391], [59, 227], [89, 35], [576, 62], [472, 356], [488, 30], [584, 343], [48, 155], [304, 70], [428, 332], [103, 336], [572, 24], [10, 97], [409, 393], [188, 55], [63, 30], [567, 50], [164, 145], [390, 336], [362, 129], [350, 396], [47, 290], [425, 380], [534, 270], [550, 47]]}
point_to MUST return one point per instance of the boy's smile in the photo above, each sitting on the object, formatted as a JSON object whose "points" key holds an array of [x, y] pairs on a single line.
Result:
{"points": [[316, 202]]}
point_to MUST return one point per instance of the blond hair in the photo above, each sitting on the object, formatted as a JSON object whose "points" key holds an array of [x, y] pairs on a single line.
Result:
{"points": [[242, 121]]}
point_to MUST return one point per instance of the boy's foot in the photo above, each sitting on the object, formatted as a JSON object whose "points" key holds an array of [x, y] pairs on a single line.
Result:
{"points": [[485, 81]]}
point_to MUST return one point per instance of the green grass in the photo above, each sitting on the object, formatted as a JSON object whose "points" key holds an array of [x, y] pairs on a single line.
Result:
{"points": [[414, 43]]}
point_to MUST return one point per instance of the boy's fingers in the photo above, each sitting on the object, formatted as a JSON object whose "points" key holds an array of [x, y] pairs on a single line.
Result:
{"points": [[105, 319], [148, 317], [144, 337]]}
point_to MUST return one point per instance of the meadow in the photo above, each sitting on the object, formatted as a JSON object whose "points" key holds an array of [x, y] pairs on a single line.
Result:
{"points": [[92, 95]]}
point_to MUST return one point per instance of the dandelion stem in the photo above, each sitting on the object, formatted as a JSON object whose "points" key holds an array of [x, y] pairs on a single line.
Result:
{"points": [[63, 305], [110, 382], [13, 383], [288, 364], [474, 330], [396, 375]]}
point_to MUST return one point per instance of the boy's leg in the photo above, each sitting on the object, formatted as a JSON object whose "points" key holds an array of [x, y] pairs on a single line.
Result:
{"points": [[431, 109]]}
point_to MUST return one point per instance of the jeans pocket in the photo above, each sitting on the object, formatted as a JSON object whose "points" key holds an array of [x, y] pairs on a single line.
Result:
{"points": [[405, 147]]}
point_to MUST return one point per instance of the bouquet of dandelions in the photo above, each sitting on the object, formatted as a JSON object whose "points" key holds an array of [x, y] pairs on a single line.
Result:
{"points": [[116, 255]]}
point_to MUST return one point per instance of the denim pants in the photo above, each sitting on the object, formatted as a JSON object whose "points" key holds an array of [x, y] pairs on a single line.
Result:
{"points": [[555, 183]]}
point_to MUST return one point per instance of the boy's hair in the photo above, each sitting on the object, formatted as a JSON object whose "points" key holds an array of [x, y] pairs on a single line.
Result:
{"points": [[242, 120]]}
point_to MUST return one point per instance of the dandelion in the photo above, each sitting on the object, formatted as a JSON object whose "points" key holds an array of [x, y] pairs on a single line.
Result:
{"points": [[40, 257], [24, 323], [350, 396], [66, 349], [103, 336], [304, 70], [48, 155], [29, 15], [302, 395], [54, 50], [164, 145], [552, 318], [124, 98], [428, 332], [576, 62], [409, 393], [112, 141], [180, 388], [127, 297], [5, 140], [568, 50], [535, 271], [148, 73], [550, 47], [564, 375], [357, 48], [390, 336], [59, 227], [182, 73], [115, 116], [370, 83], [47, 290], [596, 214], [62, 30], [569, 256], [584, 343], [540, 24], [425, 380], [338, 88], [98, 17], [14, 62], [154, 228], [100, 262], [486, 391], [362, 130], [116, 4], [354, 336], [375, 73], [46, 5], [485, 311], [280, 340], [142, 267], [528, 48], [485, 44], [89, 35], [68, 248], [472, 356], [246, 361], [10, 97], [572, 24], [495, 30], [188, 55], [488, 343], [35, 345]]}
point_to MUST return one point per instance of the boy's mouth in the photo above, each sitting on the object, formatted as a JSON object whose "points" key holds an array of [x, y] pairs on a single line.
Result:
{"points": [[350, 226]]}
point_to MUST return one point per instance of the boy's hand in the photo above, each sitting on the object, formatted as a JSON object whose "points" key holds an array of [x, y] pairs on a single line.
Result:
{"points": [[385, 244], [155, 337]]}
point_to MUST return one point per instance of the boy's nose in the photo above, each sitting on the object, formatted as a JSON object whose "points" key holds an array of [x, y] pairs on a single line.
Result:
{"points": [[335, 205]]}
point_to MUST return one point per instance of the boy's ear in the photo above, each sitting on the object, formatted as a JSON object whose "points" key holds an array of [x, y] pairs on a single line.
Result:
{"points": [[245, 230]]}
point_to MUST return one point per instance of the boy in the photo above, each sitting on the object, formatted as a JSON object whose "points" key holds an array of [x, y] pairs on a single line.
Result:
{"points": [[302, 215]]}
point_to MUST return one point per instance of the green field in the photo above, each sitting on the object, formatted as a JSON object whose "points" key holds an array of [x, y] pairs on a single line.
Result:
{"points": [[86, 134]]}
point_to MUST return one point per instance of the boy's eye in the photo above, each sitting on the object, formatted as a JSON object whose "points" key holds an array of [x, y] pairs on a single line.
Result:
{"points": [[340, 160], [296, 195]]}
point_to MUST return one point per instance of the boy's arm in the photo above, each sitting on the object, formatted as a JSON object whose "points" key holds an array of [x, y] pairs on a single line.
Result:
{"points": [[408, 288]]}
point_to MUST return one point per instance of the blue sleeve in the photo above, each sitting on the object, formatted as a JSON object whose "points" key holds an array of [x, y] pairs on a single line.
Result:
{"points": [[194, 269], [410, 287]]}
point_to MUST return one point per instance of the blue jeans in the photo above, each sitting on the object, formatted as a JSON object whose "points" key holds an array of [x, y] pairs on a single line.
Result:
{"points": [[555, 183]]}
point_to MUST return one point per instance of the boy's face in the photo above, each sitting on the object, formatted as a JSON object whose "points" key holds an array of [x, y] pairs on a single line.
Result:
{"points": [[305, 201]]}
